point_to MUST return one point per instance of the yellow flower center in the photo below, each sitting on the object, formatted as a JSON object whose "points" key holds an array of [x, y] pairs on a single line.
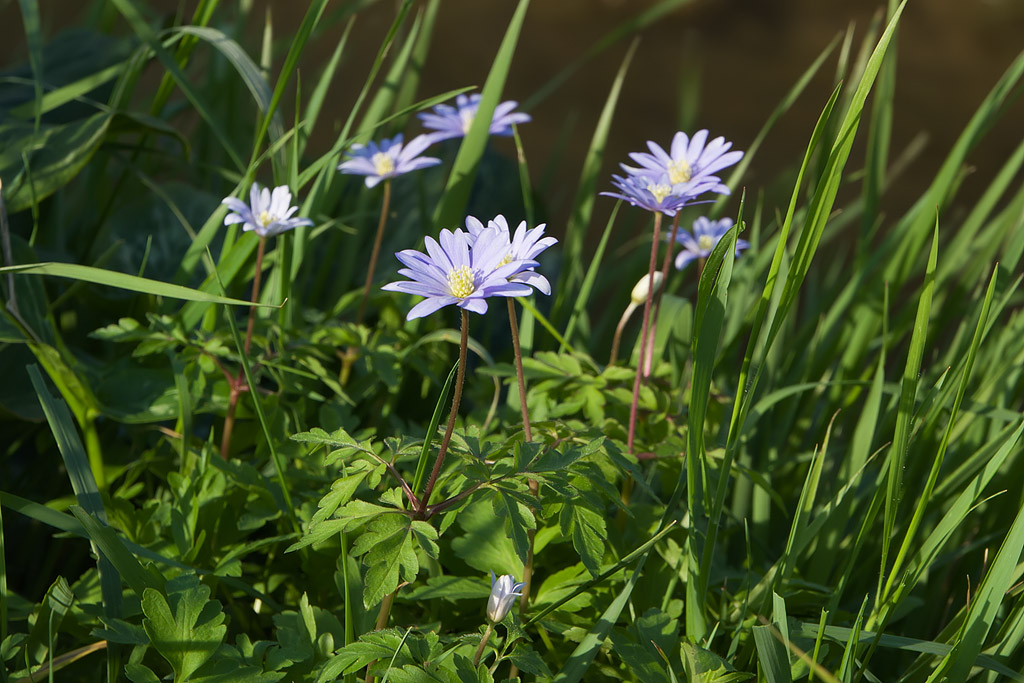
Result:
{"points": [[383, 163], [659, 191], [461, 281], [467, 120], [507, 260], [706, 242], [266, 218], [679, 171]]}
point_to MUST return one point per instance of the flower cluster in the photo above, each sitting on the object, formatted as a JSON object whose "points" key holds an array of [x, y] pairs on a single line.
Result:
{"points": [[465, 268], [389, 158], [664, 182]]}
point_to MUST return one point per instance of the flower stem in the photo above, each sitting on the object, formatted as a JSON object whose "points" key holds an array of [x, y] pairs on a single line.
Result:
{"points": [[238, 382], [376, 250], [456, 399], [643, 334], [657, 297], [483, 644], [524, 601], [626, 315], [519, 367]]}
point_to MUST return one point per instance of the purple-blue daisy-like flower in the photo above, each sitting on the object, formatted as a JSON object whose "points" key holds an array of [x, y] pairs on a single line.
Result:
{"points": [[267, 213], [653, 194], [706, 234], [388, 159], [454, 122], [451, 272], [524, 245], [689, 161]]}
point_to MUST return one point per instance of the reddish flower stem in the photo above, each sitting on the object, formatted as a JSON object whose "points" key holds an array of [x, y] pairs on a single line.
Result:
{"points": [[657, 297], [376, 251], [456, 400], [238, 382], [643, 335]]}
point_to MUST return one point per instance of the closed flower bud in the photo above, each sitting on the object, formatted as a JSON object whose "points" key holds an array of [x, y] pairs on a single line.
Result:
{"points": [[639, 293], [504, 591]]}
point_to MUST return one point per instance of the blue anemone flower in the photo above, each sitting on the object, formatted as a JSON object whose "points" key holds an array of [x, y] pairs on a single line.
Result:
{"points": [[453, 272], [653, 194], [454, 122], [706, 234], [524, 245], [388, 159], [690, 161], [267, 214]]}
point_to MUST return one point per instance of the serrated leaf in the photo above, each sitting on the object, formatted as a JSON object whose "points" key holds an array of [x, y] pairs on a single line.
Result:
{"points": [[186, 627], [586, 528], [390, 555], [527, 659], [518, 519]]}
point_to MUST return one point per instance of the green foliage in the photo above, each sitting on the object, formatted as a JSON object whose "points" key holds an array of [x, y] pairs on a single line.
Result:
{"points": [[829, 436]]}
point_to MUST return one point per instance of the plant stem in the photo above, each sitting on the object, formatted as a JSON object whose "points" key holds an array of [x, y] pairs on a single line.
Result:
{"points": [[626, 315], [519, 368], [524, 600], [657, 297], [376, 250], [237, 383], [643, 334], [382, 622], [483, 644], [456, 399]]}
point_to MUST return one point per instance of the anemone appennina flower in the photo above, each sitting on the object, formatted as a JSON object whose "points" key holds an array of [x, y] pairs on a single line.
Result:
{"points": [[267, 213], [454, 122], [688, 161], [706, 234], [451, 272], [523, 245], [504, 591], [388, 159]]}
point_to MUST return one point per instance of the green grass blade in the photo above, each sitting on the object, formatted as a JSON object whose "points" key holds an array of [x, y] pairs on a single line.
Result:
{"points": [[34, 37], [435, 420], [113, 548], [3, 580], [132, 283], [933, 476], [586, 194], [985, 606], [736, 176], [453, 202], [271, 119], [708, 321], [583, 656], [149, 37], [387, 93], [579, 308], [905, 412], [319, 95]]}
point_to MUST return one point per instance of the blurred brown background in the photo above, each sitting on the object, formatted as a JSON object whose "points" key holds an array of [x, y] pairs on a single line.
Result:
{"points": [[748, 54]]}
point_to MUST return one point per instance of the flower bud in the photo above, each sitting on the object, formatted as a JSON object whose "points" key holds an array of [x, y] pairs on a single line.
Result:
{"points": [[504, 591], [639, 293]]}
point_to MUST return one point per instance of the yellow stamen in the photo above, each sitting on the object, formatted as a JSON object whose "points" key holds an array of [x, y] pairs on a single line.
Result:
{"points": [[507, 260], [679, 171], [706, 242], [659, 191], [266, 218], [383, 164], [467, 120], [461, 281]]}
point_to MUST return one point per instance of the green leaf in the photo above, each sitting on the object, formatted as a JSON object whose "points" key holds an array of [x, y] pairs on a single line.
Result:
{"points": [[133, 283], [55, 155], [456, 194], [586, 528], [186, 627], [513, 508], [390, 554]]}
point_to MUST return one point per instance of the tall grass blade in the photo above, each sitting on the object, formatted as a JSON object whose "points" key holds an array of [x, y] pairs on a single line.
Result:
{"points": [[34, 37], [453, 202], [586, 194]]}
